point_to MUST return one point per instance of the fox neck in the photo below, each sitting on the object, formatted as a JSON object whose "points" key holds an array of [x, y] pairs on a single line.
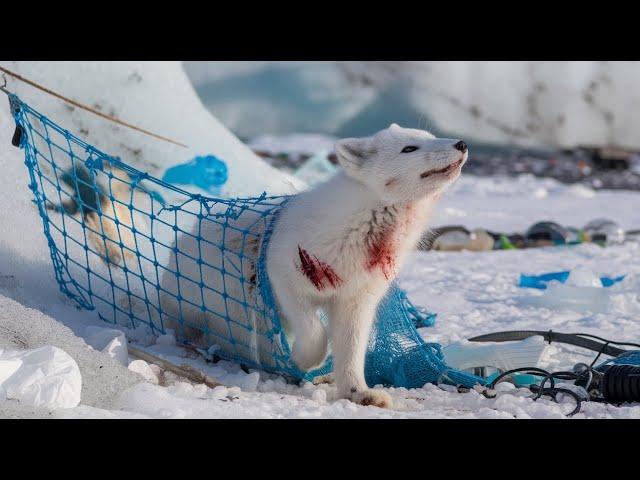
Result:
{"points": [[375, 234]]}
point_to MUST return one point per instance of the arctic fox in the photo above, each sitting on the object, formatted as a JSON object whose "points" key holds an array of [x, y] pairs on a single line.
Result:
{"points": [[338, 247], [334, 248]]}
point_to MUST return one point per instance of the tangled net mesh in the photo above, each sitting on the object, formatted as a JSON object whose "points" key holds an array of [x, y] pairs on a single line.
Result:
{"points": [[146, 254]]}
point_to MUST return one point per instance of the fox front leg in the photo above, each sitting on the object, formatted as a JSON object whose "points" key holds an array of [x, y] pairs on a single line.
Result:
{"points": [[351, 322]]}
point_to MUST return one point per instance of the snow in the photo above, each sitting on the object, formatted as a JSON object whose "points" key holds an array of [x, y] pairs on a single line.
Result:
{"points": [[472, 292], [29, 330], [514, 204], [165, 103], [569, 297]]}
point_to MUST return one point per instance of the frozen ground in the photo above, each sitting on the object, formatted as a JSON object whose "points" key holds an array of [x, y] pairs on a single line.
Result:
{"points": [[473, 293]]}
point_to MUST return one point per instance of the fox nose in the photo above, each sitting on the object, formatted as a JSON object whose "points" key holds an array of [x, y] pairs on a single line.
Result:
{"points": [[461, 146]]}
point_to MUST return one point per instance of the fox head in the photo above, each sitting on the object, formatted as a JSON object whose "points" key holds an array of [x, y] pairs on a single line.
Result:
{"points": [[402, 164]]}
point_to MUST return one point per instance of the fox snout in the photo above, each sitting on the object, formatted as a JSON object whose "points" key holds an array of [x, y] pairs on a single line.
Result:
{"points": [[460, 146]]}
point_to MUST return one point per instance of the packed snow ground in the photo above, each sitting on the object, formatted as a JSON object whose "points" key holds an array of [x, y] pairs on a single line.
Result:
{"points": [[473, 293]]}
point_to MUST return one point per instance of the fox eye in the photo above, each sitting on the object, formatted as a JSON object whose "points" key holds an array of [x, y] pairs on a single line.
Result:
{"points": [[409, 149]]}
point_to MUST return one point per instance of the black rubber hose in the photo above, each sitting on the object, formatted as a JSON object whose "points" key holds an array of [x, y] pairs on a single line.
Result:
{"points": [[621, 383]]}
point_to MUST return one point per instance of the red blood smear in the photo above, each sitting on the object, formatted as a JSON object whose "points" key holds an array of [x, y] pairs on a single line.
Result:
{"points": [[317, 271], [381, 253]]}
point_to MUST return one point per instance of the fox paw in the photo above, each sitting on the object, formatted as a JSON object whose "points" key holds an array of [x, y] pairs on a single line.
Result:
{"points": [[326, 379], [374, 398]]}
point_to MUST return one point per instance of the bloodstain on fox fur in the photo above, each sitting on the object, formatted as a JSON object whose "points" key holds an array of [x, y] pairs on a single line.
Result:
{"points": [[381, 252], [318, 272]]}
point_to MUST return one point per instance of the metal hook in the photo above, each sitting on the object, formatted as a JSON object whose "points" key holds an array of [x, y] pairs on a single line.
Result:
{"points": [[4, 84]]}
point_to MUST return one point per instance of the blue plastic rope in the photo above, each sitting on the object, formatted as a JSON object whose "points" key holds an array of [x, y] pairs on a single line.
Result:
{"points": [[114, 241]]}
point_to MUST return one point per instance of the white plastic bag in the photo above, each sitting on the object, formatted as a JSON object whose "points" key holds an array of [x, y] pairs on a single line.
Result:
{"points": [[45, 377]]}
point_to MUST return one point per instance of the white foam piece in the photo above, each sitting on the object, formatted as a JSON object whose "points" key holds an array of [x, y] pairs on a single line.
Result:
{"points": [[143, 368], [110, 341]]}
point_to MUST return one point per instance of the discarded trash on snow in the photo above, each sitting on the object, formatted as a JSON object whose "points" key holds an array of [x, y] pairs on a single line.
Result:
{"points": [[580, 290], [110, 341], [604, 231], [207, 172], [45, 377], [579, 277], [477, 358]]}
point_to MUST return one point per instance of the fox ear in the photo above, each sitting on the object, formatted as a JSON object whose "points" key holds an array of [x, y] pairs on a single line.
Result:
{"points": [[352, 153]]}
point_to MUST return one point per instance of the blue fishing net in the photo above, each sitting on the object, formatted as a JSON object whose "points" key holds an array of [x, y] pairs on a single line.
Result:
{"points": [[143, 253]]}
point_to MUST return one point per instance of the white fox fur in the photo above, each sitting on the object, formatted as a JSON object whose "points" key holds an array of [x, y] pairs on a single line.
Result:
{"points": [[338, 246]]}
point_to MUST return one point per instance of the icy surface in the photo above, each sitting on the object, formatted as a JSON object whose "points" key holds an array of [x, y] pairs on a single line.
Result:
{"points": [[473, 293], [559, 296], [583, 277], [561, 104]]}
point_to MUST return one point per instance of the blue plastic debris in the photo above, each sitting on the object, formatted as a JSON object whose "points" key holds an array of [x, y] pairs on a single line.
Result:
{"points": [[206, 172], [540, 281]]}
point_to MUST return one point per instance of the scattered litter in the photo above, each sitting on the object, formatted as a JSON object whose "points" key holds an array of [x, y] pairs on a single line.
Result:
{"points": [[207, 172], [108, 340], [143, 368], [578, 278], [45, 377], [604, 231], [478, 357]]}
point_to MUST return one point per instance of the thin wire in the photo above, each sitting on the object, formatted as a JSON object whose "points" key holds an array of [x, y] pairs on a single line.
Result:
{"points": [[540, 390], [628, 344], [604, 346], [84, 107]]}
